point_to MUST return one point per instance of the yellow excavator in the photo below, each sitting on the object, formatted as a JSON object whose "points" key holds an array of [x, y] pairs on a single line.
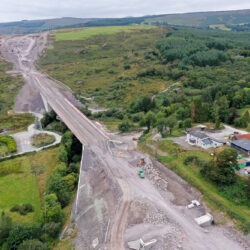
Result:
{"points": [[141, 162]]}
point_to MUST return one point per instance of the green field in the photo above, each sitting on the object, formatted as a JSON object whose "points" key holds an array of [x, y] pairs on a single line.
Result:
{"points": [[23, 180], [219, 26], [85, 33], [106, 66], [191, 173], [41, 140], [15, 122]]}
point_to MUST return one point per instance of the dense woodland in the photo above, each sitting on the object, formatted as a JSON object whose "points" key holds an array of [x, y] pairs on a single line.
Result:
{"points": [[212, 76]]}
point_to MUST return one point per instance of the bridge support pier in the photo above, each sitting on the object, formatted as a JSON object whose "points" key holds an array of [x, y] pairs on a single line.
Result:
{"points": [[45, 103]]}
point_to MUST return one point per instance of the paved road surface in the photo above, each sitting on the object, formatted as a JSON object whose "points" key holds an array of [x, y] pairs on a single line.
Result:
{"points": [[101, 156]]}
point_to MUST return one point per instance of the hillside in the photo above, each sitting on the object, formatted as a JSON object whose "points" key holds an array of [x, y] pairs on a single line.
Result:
{"points": [[33, 26], [238, 20], [204, 19]]}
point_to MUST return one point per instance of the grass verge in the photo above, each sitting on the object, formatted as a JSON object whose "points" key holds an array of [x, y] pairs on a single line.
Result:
{"points": [[41, 140]]}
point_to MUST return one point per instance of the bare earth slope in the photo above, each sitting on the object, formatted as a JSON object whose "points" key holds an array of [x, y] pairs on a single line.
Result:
{"points": [[113, 205]]}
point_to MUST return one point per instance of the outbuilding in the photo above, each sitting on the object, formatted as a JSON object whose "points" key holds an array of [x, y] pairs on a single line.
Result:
{"points": [[242, 145]]}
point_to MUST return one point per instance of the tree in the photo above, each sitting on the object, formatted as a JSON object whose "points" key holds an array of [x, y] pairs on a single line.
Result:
{"points": [[243, 121], [51, 209], [171, 122], [5, 227], [20, 233], [63, 155], [144, 104], [52, 229], [32, 245], [124, 126], [161, 124], [149, 119], [217, 124], [165, 102], [187, 123], [58, 186], [221, 171], [248, 187], [70, 180]]}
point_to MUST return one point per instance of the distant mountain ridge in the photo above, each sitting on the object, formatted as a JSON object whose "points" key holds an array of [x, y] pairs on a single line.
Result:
{"points": [[235, 20]]}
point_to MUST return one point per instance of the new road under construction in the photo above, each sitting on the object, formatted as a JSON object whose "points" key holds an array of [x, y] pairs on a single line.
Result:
{"points": [[115, 207]]}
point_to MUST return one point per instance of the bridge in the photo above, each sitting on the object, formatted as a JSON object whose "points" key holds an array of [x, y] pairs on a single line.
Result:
{"points": [[108, 183]]}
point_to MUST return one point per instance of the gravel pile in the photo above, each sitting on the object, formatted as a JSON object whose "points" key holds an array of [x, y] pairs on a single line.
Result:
{"points": [[154, 175]]}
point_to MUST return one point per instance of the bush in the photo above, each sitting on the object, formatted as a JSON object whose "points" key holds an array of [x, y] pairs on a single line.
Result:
{"points": [[86, 112], [126, 66], [73, 168], [22, 209], [20, 233], [5, 227], [63, 155], [58, 186], [32, 245], [52, 229], [48, 118], [51, 210], [10, 143], [125, 126]]}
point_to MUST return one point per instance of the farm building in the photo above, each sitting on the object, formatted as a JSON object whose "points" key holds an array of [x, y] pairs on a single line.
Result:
{"points": [[242, 145], [243, 136], [198, 127], [202, 140]]}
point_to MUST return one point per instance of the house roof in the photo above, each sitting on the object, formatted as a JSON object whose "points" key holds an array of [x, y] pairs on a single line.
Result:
{"points": [[198, 134], [244, 136], [207, 141], [242, 143], [220, 141], [198, 127]]}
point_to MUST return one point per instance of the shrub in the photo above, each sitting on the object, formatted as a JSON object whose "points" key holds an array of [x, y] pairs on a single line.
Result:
{"points": [[10, 143], [126, 66], [52, 229], [63, 156], [51, 210], [32, 245], [58, 186], [21, 233], [125, 126], [5, 227], [22, 209]]}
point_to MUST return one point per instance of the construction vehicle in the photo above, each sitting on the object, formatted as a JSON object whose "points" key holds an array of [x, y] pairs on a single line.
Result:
{"points": [[141, 162], [140, 173]]}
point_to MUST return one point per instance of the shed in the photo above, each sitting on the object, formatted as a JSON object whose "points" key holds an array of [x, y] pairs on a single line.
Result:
{"points": [[242, 145]]}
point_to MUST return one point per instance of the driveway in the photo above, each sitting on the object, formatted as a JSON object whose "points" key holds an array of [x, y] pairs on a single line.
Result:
{"points": [[222, 135]]}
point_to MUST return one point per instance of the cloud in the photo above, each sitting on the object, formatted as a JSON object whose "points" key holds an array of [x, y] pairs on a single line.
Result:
{"points": [[11, 10]]}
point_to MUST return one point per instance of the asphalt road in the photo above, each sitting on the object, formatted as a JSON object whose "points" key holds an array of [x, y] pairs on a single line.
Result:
{"points": [[101, 156], [22, 51]]}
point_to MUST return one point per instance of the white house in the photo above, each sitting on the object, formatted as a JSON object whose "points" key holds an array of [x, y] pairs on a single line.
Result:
{"points": [[197, 138]]}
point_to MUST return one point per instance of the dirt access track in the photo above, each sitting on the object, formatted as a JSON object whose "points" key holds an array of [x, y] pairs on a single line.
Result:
{"points": [[113, 205]]}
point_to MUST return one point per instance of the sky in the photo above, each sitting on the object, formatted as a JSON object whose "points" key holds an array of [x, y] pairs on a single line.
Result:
{"points": [[16, 10]]}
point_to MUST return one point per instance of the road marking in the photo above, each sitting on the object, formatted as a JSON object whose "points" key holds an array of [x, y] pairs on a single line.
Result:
{"points": [[90, 122], [77, 195]]}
